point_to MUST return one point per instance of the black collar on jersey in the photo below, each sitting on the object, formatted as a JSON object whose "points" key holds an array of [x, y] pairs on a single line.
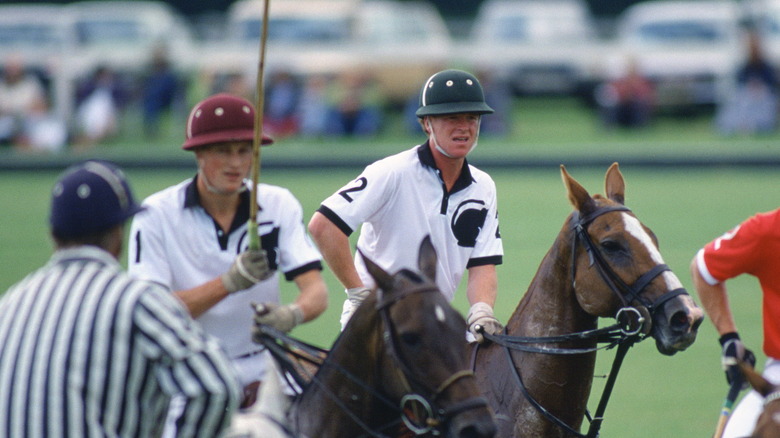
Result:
{"points": [[192, 199], [426, 158]]}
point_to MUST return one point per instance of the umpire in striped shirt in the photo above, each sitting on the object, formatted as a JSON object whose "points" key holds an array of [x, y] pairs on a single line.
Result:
{"points": [[87, 351]]}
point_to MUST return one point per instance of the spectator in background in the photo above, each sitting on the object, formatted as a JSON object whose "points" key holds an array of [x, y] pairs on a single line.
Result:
{"points": [[354, 106], [312, 107], [498, 94], [627, 101], [20, 93], [752, 109], [99, 101], [42, 130], [160, 88], [282, 95]]}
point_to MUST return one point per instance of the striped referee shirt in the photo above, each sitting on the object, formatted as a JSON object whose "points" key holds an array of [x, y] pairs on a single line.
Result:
{"points": [[86, 351]]}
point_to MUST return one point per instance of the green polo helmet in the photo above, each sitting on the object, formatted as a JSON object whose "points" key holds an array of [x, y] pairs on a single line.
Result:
{"points": [[452, 92]]}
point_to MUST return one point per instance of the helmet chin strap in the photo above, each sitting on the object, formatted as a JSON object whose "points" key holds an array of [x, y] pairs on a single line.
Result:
{"points": [[436, 142], [211, 188]]}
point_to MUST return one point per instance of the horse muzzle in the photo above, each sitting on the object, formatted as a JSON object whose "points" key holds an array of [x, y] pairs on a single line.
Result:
{"points": [[675, 324]]}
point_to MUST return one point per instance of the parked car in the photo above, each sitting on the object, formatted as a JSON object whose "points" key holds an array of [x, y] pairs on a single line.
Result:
{"points": [[539, 46], [39, 34], [399, 43], [689, 49], [124, 34]]}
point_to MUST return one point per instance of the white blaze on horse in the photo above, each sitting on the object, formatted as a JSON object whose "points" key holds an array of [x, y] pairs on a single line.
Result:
{"points": [[604, 263]]}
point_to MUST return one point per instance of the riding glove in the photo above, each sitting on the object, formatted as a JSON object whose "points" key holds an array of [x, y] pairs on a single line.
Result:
{"points": [[249, 268], [733, 351], [282, 318], [355, 297], [480, 318]]}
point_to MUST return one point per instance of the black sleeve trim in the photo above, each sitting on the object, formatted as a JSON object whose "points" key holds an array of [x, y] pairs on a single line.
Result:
{"points": [[290, 275], [333, 217], [482, 261]]}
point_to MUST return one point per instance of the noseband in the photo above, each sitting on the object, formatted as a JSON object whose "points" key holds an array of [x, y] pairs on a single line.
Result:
{"points": [[627, 293], [427, 417]]}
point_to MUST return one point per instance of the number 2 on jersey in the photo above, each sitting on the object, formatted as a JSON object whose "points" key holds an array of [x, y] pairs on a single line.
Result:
{"points": [[360, 184]]}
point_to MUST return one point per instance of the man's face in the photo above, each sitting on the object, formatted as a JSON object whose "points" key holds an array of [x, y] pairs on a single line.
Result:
{"points": [[455, 133], [225, 165]]}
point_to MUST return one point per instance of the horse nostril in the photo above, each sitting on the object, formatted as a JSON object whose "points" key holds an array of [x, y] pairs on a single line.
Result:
{"points": [[679, 322]]}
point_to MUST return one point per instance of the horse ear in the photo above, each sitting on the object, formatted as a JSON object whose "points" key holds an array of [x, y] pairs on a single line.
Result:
{"points": [[578, 196], [426, 260], [758, 382], [614, 184], [382, 278]]}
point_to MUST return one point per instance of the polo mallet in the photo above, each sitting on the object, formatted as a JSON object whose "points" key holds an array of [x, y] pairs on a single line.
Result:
{"points": [[254, 238], [728, 404]]}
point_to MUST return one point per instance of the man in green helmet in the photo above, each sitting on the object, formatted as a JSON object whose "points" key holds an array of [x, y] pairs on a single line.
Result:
{"points": [[427, 190]]}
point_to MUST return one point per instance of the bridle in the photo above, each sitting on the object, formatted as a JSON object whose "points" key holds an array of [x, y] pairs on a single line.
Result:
{"points": [[630, 327], [419, 408], [420, 413], [627, 293]]}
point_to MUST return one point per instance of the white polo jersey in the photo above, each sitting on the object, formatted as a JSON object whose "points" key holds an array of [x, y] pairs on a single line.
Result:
{"points": [[177, 244], [401, 199]]}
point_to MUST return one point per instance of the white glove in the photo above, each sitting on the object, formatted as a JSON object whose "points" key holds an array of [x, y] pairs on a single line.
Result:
{"points": [[355, 297], [249, 268], [283, 318], [481, 314]]}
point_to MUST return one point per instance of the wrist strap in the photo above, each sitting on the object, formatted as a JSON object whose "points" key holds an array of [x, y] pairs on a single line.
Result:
{"points": [[728, 337]]}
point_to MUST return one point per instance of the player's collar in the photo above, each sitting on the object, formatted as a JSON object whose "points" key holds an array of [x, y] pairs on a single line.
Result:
{"points": [[426, 159], [192, 197]]}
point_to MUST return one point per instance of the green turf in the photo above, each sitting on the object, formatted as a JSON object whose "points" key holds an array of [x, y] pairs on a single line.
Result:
{"points": [[655, 395]]}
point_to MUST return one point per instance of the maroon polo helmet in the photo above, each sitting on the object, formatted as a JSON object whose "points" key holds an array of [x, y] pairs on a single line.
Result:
{"points": [[221, 118]]}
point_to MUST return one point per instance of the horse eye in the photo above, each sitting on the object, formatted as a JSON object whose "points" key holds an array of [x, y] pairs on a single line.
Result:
{"points": [[410, 339], [611, 246]]}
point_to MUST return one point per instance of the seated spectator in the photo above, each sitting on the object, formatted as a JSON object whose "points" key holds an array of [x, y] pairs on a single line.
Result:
{"points": [[628, 101], [312, 109], [752, 109], [20, 93], [99, 100], [354, 106], [282, 95], [498, 95], [42, 130], [160, 88]]}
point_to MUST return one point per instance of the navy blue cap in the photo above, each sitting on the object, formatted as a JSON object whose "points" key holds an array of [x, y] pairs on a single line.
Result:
{"points": [[90, 197]]}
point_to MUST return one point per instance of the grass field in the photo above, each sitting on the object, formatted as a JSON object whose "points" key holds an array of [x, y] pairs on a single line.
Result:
{"points": [[655, 395]]}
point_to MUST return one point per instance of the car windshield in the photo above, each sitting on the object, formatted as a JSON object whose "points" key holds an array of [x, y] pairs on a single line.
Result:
{"points": [[535, 28], [108, 31], [28, 35], [689, 31], [297, 30]]}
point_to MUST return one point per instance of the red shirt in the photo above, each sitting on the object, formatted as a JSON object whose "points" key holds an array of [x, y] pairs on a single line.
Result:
{"points": [[753, 247]]}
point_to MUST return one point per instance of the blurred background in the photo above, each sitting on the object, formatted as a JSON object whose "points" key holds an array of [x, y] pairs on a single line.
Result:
{"points": [[113, 76]]}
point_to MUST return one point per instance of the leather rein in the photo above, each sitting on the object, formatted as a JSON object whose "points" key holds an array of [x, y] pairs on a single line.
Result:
{"points": [[630, 327], [418, 412]]}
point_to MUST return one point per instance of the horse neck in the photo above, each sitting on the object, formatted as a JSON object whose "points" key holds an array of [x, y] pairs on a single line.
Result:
{"points": [[350, 374], [549, 306], [561, 383]]}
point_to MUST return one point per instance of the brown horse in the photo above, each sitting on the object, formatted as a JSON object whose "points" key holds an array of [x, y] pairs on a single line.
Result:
{"points": [[603, 260], [768, 423], [401, 359]]}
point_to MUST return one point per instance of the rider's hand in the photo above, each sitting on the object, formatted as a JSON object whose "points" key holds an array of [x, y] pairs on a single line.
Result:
{"points": [[249, 268], [481, 315], [282, 318], [733, 352], [355, 297]]}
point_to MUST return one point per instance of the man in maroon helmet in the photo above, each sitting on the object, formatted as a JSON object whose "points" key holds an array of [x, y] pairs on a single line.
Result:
{"points": [[193, 240]]}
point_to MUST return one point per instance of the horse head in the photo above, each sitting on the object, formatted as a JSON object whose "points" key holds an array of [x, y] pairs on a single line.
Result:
{"points": [[617, 265], [425, 365], [768, 423]]}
